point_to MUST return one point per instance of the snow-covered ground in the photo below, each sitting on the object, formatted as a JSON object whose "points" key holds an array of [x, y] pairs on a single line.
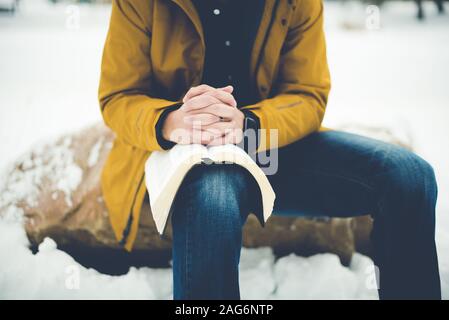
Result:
{"points": [[395, 75]]}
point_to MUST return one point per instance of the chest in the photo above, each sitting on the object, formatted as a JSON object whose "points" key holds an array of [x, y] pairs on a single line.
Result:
{"points": [[178, 46]]}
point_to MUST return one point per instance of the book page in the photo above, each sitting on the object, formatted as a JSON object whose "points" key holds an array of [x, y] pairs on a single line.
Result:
{"points": [[165, 171]]}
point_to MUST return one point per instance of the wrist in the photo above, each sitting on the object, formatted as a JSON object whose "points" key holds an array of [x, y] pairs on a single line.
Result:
{"points": [[163, 127], [167, 127]]}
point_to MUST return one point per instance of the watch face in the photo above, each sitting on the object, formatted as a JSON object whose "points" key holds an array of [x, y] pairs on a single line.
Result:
{"points": [[249, 123], [250, 135]]}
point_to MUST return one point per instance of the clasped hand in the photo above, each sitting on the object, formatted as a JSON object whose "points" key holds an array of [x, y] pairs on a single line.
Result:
{"points": [[208, 116]]}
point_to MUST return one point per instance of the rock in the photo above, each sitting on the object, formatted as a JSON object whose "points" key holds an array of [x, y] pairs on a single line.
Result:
{"points": [[54, 189]]}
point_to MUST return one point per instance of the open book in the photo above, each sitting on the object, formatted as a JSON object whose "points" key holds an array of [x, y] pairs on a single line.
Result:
{"points": [[165, 171]]}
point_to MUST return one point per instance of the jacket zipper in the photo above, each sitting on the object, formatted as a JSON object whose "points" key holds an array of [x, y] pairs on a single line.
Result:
{"points": [[130, 217]]}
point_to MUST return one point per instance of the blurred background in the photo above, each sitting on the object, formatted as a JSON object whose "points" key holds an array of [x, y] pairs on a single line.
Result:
{"points": [[389, 62]]}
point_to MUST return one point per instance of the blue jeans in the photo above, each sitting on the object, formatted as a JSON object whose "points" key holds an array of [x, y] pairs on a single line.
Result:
{"points": [[332, 174]]}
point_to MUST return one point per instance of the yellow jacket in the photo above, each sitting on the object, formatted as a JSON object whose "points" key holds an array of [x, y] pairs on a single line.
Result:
{"points": [[154, 52]]}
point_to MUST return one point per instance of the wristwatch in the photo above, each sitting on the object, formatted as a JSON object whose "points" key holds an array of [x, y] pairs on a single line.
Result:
{"points": [[251, 126]]}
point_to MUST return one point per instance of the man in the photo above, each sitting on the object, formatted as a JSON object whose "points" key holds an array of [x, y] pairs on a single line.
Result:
{"points": [[262, 65]]}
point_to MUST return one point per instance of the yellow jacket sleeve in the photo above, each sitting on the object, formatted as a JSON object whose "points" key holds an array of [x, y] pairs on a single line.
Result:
{"points": [[303, 83], [125, 81]]}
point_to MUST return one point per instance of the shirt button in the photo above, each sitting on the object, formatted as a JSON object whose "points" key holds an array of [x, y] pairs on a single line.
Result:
{"points": [[228, 43], [229, 77], [216, 12]]}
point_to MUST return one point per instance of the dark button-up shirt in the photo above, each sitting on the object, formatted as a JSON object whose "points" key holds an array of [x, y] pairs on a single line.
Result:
{"points": [[230, 28]]}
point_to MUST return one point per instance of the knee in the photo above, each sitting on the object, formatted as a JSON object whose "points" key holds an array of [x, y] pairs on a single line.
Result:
{"points": [[408, 176], [218, 194]]}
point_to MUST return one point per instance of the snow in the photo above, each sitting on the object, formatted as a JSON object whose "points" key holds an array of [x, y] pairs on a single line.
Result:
{"points": [[323, 277], [53, 274], [256, 273], [94, 153], [393, 76], [54, 163]]}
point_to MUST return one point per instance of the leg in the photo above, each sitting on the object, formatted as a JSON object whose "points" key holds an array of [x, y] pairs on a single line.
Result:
{"points": [[339, 174], [420, 14], [440, 6], [209, 212]]}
